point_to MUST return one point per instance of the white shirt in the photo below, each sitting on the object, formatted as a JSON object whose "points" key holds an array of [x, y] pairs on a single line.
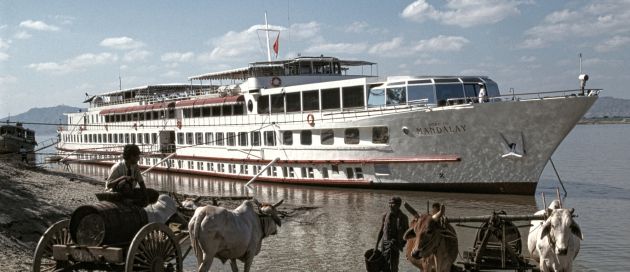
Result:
{"points": [[120, 169], [482, 94]]}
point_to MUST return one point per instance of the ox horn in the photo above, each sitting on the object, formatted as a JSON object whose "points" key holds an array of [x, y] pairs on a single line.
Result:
{"points": [[256, 202], [439, 214], [411, 210], [278, 203]]}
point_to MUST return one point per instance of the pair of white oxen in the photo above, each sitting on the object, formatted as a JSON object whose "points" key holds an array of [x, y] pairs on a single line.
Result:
{"points": [[555, 242], [221, 233]]}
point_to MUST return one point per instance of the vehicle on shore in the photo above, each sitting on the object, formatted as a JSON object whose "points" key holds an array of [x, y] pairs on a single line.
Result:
{"points": [[333, 122]]}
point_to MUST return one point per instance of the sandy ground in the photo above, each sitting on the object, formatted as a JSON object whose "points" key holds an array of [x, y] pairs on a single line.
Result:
{"points": [[32, 199]]}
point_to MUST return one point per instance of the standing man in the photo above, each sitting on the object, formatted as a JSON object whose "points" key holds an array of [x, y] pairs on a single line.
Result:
{"points": [[23, 154], [393, 227], [482, 93], [125, 175]]}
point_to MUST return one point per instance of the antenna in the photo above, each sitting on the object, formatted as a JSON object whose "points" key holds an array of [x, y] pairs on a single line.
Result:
{"points": [[119, 80], [580, 63], [267, 35]]}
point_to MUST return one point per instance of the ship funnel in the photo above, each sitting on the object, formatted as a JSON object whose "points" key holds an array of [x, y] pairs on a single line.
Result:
{"points": [[583, 78]]}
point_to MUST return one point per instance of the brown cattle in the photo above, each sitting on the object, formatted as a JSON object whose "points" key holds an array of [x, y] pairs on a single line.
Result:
{"points": [[431, 242]]}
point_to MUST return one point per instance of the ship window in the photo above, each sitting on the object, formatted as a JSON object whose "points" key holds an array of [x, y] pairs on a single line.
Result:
{"points": [[327, 137], [396, 96], [171, 113], [148, 115], [349, 172], [421, 94], [210, 166], [127, 140], [380, 135], [324, 172], [198, 138], [293, 102], [133, 138], [206, 111], [352, 136], [421, 81], [200, 166], [358, 172], [330, 99], [146, 138], [190, 165], [156, 115], [117, 117], [231, 139], [310, 100], [376, 97], [382, 170], [287, 137], [263, 104], [242, 138], [141, 116], [139, 138], [471, 90], [227, 110], [492, 88], [277, 103], [134, 116], [306, 137], [352, 97], [448, 91], [219, 138], [216, 111], [270, 138], [238, 109], [447, 80], [255, 138], [209, 138], [154, 138], [109, 138], [189, 138]]}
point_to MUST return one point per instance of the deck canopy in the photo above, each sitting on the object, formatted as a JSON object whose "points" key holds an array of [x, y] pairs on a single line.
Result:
{"points": [[297, 66]]}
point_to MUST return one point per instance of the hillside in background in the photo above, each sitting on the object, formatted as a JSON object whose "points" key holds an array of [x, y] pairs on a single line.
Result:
{"points": [[609, 107], [50, 115]]}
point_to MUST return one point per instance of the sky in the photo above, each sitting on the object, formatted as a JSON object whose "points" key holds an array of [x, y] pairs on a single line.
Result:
{"points": [[54, 52]]}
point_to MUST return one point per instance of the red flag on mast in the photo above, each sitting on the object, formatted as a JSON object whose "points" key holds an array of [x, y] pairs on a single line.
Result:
{"points": [[276, 45]]}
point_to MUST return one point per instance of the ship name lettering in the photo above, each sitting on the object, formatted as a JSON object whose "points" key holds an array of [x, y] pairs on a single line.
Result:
{"points": [[439, 130]]}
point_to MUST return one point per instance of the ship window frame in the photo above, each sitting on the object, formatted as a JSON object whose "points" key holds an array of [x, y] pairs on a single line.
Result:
{"points": [[382, 139], [270, 138], [209, 138], [242, 138], [287, 137], [198, 138], [353, 96], [206, 111], [293, 102], [277, 103], [418, 90], [231, 138], [331, 99], [306, 137], [226, 110], [238, 109], [189, 138], [196, 112], [374, 98], [263, 104], [352, 136], [310, 100], [255, 138], [327, 137], [219, 138], [216, 111], [391, 92]]}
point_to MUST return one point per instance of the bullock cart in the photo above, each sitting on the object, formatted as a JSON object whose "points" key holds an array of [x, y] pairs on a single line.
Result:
{"points": [[498, 244], [113, 236]]}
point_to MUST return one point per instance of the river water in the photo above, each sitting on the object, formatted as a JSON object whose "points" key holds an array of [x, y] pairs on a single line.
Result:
{"points": [[592, 162]]}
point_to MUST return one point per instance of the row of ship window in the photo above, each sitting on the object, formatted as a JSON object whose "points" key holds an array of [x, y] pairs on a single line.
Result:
{"points": [[380, 135]]}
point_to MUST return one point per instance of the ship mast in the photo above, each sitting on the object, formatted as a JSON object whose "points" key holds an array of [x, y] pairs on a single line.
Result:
{"points": [[267, 35]]}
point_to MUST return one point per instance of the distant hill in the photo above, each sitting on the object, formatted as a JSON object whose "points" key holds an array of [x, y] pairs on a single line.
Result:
{"points": [[50, 115], [609, 107]]}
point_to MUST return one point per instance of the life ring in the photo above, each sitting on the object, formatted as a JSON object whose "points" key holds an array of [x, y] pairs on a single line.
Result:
{"points": [[179, 124], [276, 81], [310, 119]]}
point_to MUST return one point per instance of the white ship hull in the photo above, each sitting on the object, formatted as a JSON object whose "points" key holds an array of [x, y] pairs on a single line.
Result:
{"points": [[499, 147]]}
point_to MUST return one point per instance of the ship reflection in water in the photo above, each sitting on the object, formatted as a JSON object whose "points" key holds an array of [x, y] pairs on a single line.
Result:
{"points": [[334, 236]]}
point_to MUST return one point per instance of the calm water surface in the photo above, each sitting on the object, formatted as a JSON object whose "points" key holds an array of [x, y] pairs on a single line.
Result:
{"points": [[592, 162]]}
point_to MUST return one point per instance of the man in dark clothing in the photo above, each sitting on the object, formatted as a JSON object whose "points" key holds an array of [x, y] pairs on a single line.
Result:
{"points": [[393, 227], [125, 175]]}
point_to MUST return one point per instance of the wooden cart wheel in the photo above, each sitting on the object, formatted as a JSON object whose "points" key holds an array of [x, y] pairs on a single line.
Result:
{"points": [[57, 234], [154, 248]]}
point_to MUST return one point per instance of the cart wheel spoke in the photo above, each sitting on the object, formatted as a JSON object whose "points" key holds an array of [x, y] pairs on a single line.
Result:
{"points": [[57, 234], [154, 248]]}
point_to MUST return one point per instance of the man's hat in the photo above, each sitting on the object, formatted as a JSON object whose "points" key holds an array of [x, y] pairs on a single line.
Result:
{"points": [[395, 200]]}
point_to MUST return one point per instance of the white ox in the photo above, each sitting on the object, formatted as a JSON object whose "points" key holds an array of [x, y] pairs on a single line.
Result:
{"points": [[230, 235], [555, 242]]}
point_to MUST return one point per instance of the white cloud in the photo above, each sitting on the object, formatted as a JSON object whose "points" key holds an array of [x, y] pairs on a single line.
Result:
{"points": [[305, 31], [64, 19], [337, 48], [613, 43], [136, 55], [77, 63], [239, 44], [603, 18], [392, 47], [428, 61], [38, 25], [7, 79], [3, 27], [463, 13], [121, 43], [3, 56], [172, 74], [4, 44], [177, 56], [441, 43], [357, 27], [22, 35]]}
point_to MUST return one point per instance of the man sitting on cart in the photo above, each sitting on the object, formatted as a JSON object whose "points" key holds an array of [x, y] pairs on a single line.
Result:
{"points": [[125, 175]]}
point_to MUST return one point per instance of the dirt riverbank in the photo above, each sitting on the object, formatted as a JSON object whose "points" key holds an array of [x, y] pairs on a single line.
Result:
{"points": [[32, 199]]}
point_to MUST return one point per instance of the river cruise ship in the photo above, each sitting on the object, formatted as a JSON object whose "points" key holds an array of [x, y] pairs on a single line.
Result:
{"points": [[15, 139], [333, 122]]}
